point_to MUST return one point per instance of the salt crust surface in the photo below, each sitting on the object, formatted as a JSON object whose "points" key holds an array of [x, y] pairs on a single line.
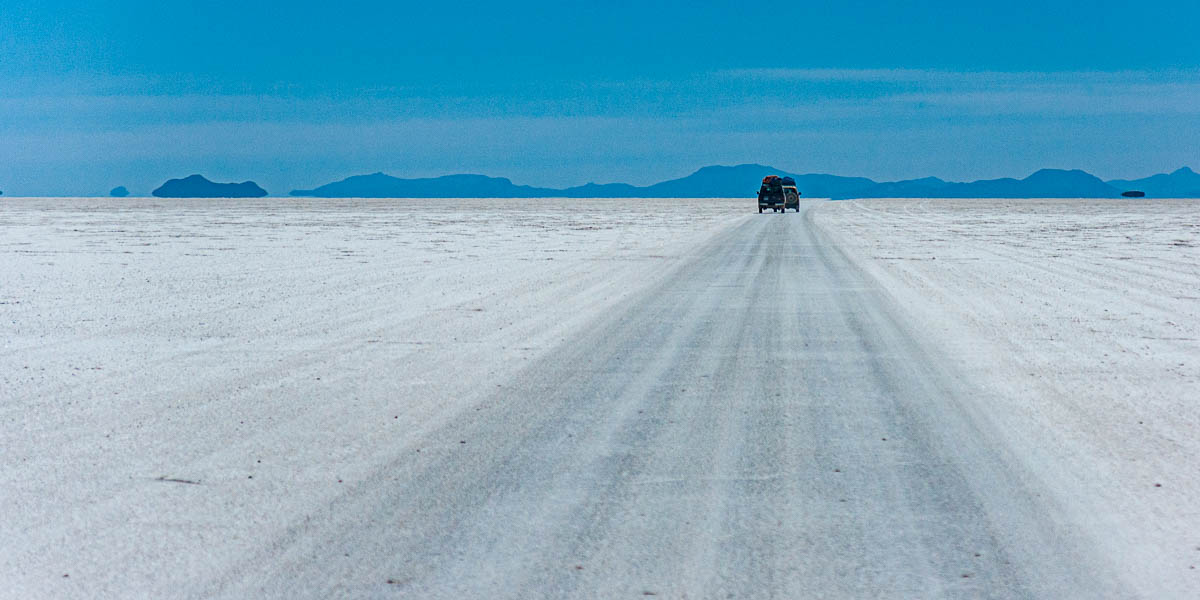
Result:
{"points": [[1078, 324], [272, 350]]}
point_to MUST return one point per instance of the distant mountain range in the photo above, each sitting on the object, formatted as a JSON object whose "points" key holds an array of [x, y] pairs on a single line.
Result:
{"points": [[708, 182], [378, 185], [1182, 183], [1047, 183], [742, 181]]}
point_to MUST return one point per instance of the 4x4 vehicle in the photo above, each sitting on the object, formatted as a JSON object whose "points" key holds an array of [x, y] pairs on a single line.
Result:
{"points": [[791, 195], [770, 194]]}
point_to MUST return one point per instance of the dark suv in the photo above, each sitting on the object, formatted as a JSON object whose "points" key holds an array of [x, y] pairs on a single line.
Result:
{"points": [[770, 194]]}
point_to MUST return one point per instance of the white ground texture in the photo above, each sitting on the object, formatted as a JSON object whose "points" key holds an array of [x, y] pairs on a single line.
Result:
{"points": [[1078, 321], [599, 398]]}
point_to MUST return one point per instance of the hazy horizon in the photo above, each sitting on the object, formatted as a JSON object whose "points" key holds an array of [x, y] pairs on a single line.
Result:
{"points": [[287, 192]]}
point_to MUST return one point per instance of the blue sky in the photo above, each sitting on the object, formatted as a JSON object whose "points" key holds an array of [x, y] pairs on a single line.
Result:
{"points": [[99, 94]]}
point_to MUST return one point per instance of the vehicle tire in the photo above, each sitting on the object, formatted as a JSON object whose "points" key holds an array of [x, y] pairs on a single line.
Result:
{"points": [[760, 210]]}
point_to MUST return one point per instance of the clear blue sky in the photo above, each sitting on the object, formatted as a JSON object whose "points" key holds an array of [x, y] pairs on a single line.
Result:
{"points": [[99, 94]]}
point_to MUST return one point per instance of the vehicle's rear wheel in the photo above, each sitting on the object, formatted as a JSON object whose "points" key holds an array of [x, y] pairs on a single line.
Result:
{"points": [[760, 210]]}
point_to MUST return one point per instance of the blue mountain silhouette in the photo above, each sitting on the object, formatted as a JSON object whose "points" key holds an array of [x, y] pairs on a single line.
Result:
{"points": [[1046, 183], [1181, 183], [379, 185], [909, 188], [196, 186]]}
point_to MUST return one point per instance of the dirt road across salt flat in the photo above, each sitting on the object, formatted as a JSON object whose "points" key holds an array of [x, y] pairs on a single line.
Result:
{"points": [[734, 406]]}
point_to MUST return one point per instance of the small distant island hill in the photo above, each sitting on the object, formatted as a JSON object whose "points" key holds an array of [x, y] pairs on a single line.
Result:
{"points": [[197, 186]]}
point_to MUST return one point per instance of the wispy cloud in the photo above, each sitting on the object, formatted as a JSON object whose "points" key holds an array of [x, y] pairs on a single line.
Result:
{"points": [[860, 75], [1063, 101], [804, 94], [948, 77]]}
